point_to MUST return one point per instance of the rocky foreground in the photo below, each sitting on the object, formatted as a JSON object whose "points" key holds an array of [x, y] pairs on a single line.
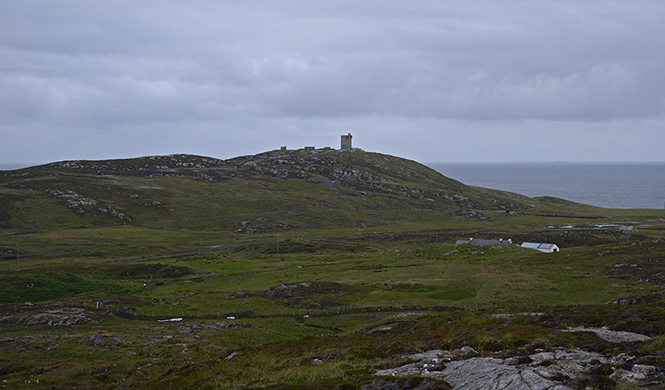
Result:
{"points": [[536, 368]]}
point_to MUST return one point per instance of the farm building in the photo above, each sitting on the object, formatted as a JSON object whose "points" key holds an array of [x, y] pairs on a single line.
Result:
{"points": [[628, 229], [546, 248]]}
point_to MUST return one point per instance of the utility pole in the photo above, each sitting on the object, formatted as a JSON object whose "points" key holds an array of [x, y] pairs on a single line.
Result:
{"points": [[18, 257], [277, 243]]}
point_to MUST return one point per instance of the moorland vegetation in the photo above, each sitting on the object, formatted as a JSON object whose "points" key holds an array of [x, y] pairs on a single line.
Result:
{"points": [[191, 272]]}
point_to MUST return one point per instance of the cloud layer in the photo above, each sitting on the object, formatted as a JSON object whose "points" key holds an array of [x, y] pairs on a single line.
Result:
{"points": [[95, 79]]}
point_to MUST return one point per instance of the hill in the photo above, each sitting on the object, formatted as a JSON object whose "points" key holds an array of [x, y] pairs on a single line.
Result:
{"points": [[268, 192]]}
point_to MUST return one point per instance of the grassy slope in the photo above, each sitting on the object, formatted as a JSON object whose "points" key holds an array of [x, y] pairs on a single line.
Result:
{"points": [[271, 192]]}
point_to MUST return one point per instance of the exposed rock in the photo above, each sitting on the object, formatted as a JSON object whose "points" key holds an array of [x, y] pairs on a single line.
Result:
{"points": [[250, 230], [550, 370], [320, 359], [284, 290], [191, 328], [232, 355], [644, 369], [240, 294], [612, 336], [565, 363], [79, 204], [161, 338], [510, 315], [227, 325], [638, 373], [64, 317], [490, 373], [151, 166], [104, 340], [462, 201]]}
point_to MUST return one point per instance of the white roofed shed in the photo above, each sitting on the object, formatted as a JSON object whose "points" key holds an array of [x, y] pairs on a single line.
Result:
{"points": [[543, 247]]}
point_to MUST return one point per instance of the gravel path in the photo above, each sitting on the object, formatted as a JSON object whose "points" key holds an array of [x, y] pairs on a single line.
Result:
{"points": [[327, 182]]}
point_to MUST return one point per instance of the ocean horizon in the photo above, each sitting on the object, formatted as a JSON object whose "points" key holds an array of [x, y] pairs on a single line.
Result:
{"points": [[13, 166], [609, 185]]}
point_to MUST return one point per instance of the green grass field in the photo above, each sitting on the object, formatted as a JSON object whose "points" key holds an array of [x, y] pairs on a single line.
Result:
{"points": [[345, 296]]}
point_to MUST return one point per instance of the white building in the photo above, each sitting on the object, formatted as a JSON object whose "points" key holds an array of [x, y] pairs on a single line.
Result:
{"points": [[546, 248], [628, 229]]}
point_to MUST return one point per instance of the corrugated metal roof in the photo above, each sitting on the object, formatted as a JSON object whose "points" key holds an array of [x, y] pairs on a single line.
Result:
{"points": [[540, 246], [532, 245], [484, 242]]}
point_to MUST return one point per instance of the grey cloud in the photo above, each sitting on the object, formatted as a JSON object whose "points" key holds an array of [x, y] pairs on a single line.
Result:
{"points": [[466, 69], [95, 67]]}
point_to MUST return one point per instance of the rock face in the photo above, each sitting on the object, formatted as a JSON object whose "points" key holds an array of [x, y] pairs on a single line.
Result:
{"points": [[613, 336], [192, 328], [80, 204], [545, 370], [283, 290], [491, 373], [65, 317], [105, 340], [475, 373]]}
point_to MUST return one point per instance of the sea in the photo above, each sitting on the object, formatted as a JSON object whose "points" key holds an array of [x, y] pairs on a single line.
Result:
{"points": [[610, 185]]}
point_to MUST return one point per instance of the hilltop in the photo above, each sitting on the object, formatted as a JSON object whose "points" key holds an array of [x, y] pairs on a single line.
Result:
{"points": [[268, 192]]}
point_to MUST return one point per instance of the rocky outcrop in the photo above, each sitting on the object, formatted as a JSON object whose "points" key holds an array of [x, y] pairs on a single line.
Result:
{"points": [[613, 336], [105, 340], [282, 289], [559, 369], [366, 177], [64, 317], [79, 204], [202, 168], [192, 328], [491, 373]]}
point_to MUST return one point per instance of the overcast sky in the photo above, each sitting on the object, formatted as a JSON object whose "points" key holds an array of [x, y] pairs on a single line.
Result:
{"points": [[433, 81]]}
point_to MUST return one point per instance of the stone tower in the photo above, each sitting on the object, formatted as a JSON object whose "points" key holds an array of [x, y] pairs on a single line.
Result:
{"points": [[346, 142]]}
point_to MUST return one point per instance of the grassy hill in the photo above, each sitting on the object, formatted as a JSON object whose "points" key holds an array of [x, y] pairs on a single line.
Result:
{"points": [[306, 269], [268, 192]]}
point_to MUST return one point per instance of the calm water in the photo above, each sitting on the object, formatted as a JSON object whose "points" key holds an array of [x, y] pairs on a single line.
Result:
{"points": [[604, 185], [10, 166]]}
